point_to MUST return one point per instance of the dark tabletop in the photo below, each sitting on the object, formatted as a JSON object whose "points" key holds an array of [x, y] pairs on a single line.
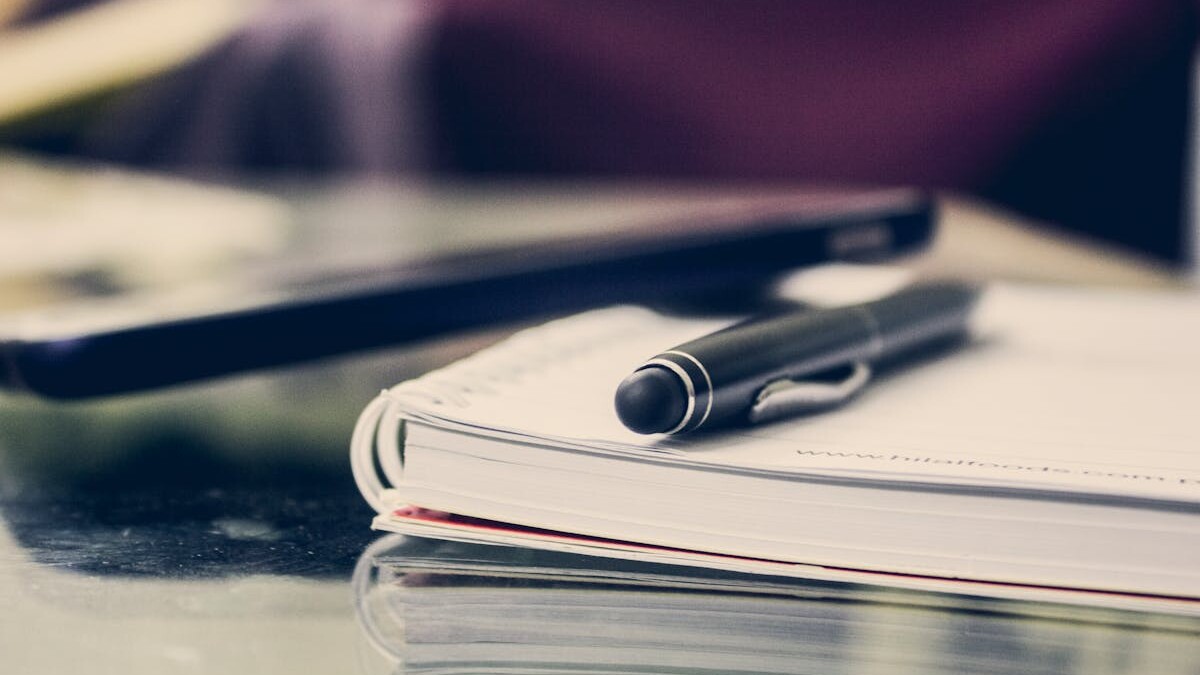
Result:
{"points": [[212, 528]]}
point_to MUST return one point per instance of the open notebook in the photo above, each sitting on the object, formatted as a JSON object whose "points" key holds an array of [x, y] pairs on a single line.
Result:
{"points": [[1059, 449]]}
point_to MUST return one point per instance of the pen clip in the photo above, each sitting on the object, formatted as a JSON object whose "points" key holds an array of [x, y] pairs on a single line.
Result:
{"points": [[783, 397]]}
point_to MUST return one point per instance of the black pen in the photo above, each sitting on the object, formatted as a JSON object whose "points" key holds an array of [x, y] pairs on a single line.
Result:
{"points": [[766, 368]]}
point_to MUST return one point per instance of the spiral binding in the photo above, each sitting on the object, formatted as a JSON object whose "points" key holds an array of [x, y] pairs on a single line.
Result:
{"points": [[376, 446]]}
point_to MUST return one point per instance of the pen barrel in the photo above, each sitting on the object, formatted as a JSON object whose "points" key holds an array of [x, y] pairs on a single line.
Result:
{"points": [[920, 315], [729, 368]]}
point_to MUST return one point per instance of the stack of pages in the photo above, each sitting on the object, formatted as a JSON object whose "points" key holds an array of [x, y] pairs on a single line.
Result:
{"points": [[1057, 453], [442, 607]]}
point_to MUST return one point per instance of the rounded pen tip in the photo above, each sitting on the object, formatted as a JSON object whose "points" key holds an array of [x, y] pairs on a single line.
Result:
{"points": [[651, 400]]}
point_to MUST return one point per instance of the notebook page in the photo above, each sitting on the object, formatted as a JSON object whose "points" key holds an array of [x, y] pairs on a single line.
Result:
{"points": [[1065, 389]]}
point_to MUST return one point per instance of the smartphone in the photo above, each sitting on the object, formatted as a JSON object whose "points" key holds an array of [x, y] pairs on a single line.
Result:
{"points": [[349, 267]]}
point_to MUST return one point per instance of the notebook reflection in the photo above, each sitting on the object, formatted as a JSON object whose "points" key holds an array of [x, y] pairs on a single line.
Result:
{"points": [[441, 607]]}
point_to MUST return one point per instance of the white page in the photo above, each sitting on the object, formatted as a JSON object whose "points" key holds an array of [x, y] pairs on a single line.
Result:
{"points": [[1071, 389]]}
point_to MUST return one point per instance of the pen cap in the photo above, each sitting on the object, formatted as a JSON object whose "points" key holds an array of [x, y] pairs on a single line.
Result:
{"points": [[720, 377], [727, 369]]}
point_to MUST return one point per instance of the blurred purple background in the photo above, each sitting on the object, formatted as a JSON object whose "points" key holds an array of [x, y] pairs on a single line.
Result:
{"points": [[1076, 112]]}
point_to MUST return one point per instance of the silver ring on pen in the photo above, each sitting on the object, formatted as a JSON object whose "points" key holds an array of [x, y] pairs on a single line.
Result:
{"points": [[696, 381]]}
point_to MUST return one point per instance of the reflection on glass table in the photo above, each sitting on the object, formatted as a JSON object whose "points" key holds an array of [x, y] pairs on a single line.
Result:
{"points": [[123, 587], [443, 607], [205, 529]]}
